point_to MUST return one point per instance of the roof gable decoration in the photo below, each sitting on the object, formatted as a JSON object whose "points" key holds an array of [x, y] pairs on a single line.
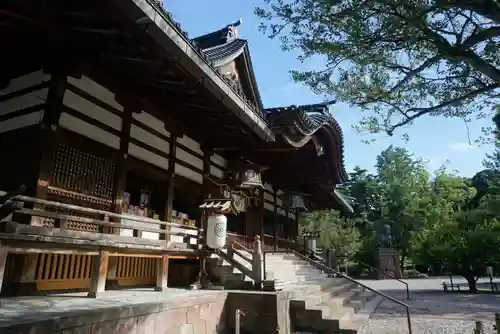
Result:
{"points": [[224, 47], [298, 125], [166, 15]]}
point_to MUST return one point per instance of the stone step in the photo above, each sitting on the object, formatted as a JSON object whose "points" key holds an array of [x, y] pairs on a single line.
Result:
{"points": [[291, 272], [355, 322], [357, 302], [273, 275], [336, 318]]}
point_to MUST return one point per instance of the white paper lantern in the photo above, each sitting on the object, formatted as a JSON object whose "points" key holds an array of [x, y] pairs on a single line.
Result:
{"points": [[216, 231]]}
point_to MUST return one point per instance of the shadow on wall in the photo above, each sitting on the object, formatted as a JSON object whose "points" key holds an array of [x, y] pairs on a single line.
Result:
{"points": [[193, 315], [210, 313]]}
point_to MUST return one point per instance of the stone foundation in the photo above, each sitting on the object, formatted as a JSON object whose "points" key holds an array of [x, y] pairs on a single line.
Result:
{"points": [[148, 313], [193, 315], [387, 260], [264, 313]]}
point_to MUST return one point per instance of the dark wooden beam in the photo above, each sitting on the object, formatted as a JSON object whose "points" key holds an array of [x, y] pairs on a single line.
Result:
{"points": [[119, 183], [275, 221], [49, 130], [171, 178]]}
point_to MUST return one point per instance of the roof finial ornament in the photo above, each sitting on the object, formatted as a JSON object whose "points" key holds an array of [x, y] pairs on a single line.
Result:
{"points": [[232, 31], [237, 23]]}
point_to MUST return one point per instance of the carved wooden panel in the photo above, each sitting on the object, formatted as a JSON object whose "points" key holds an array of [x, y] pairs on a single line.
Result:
{"points": [[63, 271], [79, 177], [136, 270], [83, 172]]}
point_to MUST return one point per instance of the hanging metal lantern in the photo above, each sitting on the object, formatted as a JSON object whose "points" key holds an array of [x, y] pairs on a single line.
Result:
{"points": [[295, 201], [247, 175]]}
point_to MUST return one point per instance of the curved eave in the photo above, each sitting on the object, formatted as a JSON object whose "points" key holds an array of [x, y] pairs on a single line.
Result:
{"points": [[251, 75], [167, 33], [311, 123], [225, 53], [343, 202]]}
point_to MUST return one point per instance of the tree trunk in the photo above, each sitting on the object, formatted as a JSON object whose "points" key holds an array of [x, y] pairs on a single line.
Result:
{"points": [[402, 261], [471, 281]]}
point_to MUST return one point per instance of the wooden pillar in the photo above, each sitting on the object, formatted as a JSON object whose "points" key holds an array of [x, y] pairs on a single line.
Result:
{"points": [[99, 274], [261, 216], [4, 251], [275, 223], [206, 187], [171, 177], [202, 222], [297, 227], [49, 130], [161, 274], [120, 177]]}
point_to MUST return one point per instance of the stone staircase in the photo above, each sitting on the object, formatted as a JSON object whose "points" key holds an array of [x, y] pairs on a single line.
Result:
{"points": [[318, 303], [229, 276]]}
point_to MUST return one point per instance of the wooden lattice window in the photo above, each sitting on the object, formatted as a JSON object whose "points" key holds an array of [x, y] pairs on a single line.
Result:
{"points": [[83, 172]]}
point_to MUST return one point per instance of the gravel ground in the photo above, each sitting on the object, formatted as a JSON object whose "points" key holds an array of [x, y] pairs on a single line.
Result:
{"points": [[432, 311], [435, 313]]}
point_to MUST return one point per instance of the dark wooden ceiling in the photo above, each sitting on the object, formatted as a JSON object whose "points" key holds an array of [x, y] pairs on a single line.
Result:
{"points": [[95, 38]]}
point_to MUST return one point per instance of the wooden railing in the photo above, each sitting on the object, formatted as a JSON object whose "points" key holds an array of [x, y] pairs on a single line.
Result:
{"points": [[281, 243], [240, 239], [62, 221], [73, 247], [267, 242], [251, 264]]}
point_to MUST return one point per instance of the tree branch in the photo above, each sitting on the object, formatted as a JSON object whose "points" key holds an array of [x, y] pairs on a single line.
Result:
{"points": [[480, 36], [419, 112], [415, 72], [486, 8]]}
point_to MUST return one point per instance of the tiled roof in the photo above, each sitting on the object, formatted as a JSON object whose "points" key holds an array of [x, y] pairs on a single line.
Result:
{"points": [[220, 52], [308, 120], [218, 37], [223, 46], [202, 42]]}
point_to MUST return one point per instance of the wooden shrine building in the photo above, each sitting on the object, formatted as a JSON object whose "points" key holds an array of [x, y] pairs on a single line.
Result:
{"points": [[119, 125]]}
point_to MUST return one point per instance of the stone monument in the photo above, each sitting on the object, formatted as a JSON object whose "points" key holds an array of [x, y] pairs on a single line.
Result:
{"points": [[387, 258]]}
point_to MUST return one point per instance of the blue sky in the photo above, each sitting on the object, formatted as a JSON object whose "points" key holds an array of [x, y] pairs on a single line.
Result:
{"points": [[437, 140]]}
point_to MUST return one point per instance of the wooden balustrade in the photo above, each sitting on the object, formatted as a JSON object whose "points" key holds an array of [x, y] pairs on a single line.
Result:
{"points": [[282, 244], [75, 247], [65, 221], [240, 239], [252, 265]]}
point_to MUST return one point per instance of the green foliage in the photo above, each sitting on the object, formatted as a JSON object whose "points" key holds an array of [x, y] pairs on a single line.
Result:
{"points": [[336, 233], [400, 59], [465, 245], [442, 219]]}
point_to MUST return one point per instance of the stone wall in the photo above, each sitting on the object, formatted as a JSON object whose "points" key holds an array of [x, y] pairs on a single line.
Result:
{"points": [[204, 313], [263, 313], [387, 260], [194, 315]]}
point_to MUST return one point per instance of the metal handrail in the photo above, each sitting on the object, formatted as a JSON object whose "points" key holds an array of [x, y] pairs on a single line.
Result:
{"points": [[352, 280], [408, 295]]}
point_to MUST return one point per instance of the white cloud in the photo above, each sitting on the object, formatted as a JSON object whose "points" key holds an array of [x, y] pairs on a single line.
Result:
{"points": [[463, 147]]}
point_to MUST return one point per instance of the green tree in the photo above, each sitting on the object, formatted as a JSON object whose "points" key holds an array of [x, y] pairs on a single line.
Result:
{"points": [[337, 233], [492, 161], [464, 244], [401, 59], [405, 195]]}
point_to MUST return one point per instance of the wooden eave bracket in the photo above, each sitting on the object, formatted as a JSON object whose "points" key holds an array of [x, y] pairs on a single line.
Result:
{"points": [[223, 205]]}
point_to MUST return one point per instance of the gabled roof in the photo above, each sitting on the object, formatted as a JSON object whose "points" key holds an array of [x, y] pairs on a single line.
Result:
{"points": [[298, 125], [154, 20], [223, 46]]}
